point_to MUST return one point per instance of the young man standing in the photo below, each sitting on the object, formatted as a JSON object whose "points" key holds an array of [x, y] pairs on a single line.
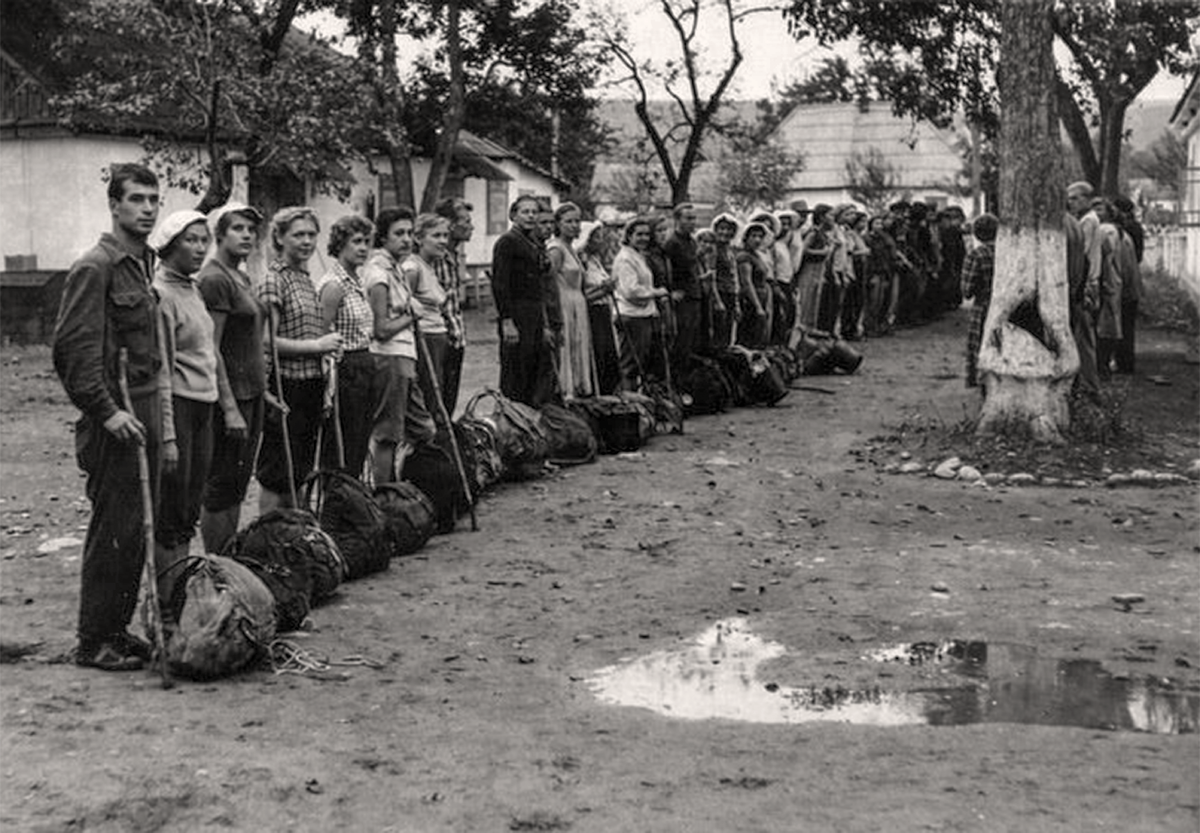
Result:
{"points": [[686, 290], [108, 305], [519, 285]]}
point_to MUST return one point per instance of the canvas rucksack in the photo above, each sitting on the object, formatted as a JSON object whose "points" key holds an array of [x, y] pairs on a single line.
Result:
{"points": [[409, 517], [345, 508], [224, 618], [298, 562]]}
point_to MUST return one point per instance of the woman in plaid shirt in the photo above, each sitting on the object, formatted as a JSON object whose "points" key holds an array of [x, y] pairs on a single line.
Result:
{"points": [[288, 293], [346, 311]]}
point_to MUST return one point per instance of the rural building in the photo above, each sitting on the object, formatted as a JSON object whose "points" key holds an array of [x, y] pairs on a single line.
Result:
{"points": [[54, 206], [925, 161], [1186, 122]]}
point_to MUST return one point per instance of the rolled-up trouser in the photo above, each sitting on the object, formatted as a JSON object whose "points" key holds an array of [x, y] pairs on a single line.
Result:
{"points": [[115, 544]]}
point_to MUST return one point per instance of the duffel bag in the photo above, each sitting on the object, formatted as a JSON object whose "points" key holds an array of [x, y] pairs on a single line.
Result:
{"points": [[767, 385], [572, 440], [621, 422], [705, 388], [735, 362], [520, 439], [346, 509], [481, 458], [431, 469], [224, 618], [409, 517], [297, 560], [666, 405]]}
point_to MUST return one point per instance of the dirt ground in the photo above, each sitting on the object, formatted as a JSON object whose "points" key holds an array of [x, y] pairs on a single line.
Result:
{"points": [[484, 713]]}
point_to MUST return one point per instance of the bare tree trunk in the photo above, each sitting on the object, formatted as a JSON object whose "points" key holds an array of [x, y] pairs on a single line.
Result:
{"points": [[1028, 357], [455, 111]]}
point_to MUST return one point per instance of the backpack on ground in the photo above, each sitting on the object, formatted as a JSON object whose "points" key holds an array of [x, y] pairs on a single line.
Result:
{"points": [[298, 561], [409, 518], [572, 441], [345, 509], [705, 388], [431, 469], [621, 422], [520, 439], [666, 405], [224, 618], [481, 458]]}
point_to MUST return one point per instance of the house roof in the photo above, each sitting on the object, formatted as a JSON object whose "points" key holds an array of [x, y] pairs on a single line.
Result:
{"points": [[472, 148], [1186, 116], [827, 135]]}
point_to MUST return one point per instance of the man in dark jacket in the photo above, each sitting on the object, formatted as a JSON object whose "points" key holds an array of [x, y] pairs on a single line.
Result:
{"points": [[686, 292], [519, 285], [108, 305]]}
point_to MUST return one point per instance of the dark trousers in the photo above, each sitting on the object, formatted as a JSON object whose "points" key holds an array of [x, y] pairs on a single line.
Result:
{"points": [[1125, 351], [431, 351], [785, 312], [604, 348], [452, 364], [304, 399], [356, 374], [179, 507], [688, 321], [115, 544], [723, 322], [637, 339], [1083, 328], [527, 369]]}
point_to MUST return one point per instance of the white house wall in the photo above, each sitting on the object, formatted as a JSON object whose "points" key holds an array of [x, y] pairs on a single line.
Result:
{"points": [[55, 203], [55, 200]]}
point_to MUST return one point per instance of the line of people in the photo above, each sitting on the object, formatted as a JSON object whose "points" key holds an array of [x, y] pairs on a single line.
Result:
{"points": [[590, 308], [1105, 244], [231, 378]]}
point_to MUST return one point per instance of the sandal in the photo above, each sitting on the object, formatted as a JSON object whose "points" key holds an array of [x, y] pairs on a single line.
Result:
{"points": [[107, 657]]}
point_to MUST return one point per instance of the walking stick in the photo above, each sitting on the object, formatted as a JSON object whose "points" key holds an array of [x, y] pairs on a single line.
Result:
{"points": [[149, 575], [441, 406], [283, 410]]}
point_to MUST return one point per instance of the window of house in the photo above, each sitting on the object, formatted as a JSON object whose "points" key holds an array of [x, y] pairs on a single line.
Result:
{"points": [[497, 206]]}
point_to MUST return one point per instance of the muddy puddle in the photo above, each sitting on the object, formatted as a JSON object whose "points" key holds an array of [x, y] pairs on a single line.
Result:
{"points": [[716, 675]]}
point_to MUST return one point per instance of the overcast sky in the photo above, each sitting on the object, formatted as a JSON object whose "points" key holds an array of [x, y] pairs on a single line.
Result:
{"points": [[771, 57]]}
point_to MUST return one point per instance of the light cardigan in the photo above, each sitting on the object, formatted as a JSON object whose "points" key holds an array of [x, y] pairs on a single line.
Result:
{"points": [[635, 285]]}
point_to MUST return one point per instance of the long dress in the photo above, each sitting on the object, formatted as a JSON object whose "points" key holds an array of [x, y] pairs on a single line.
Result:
{"points": [[576, 369]]}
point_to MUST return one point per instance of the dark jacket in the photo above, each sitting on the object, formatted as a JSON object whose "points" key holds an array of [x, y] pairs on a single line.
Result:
{"points": [[685, 265], [107, 303], [519, 271]]}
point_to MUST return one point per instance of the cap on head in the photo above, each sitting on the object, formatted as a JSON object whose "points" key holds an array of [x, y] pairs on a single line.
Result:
{"points": [[164, 235]]}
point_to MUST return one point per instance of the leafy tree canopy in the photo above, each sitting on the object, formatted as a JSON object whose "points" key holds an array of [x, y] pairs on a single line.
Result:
{"points": [[226, 73], [933, 58]]}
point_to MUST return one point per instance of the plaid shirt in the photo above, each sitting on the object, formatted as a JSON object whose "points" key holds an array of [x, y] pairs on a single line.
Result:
{"points": [[353, 320], [291, 293], [449, 275], [977, 274]]}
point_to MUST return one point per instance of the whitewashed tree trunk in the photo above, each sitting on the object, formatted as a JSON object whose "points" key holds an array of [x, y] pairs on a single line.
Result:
{"points": [[1028, 361]]}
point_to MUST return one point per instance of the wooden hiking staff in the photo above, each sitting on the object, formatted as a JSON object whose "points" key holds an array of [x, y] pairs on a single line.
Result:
{"points": [[149, 574], [441, 406], [283, 410]]}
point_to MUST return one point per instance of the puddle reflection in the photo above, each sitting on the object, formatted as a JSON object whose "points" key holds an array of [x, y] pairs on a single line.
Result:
{"points": [[715, 676]]}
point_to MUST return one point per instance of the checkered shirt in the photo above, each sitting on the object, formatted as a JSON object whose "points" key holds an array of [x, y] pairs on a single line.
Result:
{"points": [[449, 275], [291, 293]]}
